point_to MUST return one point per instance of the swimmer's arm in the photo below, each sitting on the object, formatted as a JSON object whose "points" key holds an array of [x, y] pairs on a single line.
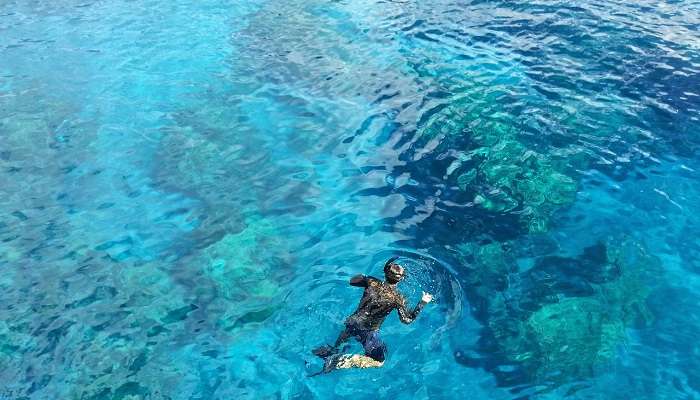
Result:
{"points": [[362, 280], [407, 316], [359, 280]]}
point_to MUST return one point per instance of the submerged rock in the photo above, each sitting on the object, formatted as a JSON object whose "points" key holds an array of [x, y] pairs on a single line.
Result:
{"points": [[563, 318], [239, 272], [502, 171], [489, 266], [234, 265], [570, 338], [526, 180]]}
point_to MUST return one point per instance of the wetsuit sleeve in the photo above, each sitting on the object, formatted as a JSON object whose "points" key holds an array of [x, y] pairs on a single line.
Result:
{"points": [[359, 280], [405, 315]]}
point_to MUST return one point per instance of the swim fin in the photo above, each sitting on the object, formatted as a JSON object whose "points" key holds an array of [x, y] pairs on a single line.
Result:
{"points": [[324, 351], [330, 363]]}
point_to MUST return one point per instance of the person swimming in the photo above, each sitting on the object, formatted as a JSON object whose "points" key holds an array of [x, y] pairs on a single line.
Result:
{"points": [[379, 299]]}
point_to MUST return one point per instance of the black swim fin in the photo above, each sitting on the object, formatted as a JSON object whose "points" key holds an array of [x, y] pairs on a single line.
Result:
{"points": [[314, 374], [324, 351], [329, 365]]}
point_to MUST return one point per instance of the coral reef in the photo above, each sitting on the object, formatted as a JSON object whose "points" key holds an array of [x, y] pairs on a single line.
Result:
{"points": [[562, 318], [233, 262], [241, 268], [571, 337], [502, 171]]}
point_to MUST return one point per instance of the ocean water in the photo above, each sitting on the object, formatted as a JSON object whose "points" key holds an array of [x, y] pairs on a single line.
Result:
{"points": [[186, 187]]}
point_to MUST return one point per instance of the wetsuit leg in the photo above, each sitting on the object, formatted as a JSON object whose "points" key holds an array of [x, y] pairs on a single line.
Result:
{"points": [[374, 347], [342, 338], [375, 351], [327, 351]]}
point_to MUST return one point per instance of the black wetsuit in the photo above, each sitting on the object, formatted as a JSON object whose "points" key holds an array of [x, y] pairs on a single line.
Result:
{"points": [[378, 301]]}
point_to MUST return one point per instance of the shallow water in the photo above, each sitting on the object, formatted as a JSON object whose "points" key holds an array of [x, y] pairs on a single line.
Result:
{"points": [[185, 188]]}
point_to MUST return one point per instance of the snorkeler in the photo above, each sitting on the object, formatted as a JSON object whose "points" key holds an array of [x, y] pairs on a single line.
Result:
{"points": [[378, 300]]}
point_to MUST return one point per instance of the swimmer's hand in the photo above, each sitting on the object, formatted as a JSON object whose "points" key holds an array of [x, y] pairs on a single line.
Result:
{"points": [[427, 297]]}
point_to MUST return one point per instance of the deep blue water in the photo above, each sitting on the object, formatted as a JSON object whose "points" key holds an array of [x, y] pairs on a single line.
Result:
{"points": [[186, 187]]}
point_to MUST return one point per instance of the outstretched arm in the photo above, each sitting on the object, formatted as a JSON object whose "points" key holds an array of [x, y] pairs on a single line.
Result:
{"points": [[359, 280], [407, 316]]}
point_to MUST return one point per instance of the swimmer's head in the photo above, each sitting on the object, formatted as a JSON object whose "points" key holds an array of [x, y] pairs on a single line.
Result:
{"points": [[393, 272]]}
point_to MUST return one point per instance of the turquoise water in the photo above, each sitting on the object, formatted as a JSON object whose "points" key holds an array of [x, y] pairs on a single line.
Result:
{"points": [[185, 188]]}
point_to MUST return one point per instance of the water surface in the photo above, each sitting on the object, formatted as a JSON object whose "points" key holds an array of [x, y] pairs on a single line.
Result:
{"points": [[186, 187]]}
